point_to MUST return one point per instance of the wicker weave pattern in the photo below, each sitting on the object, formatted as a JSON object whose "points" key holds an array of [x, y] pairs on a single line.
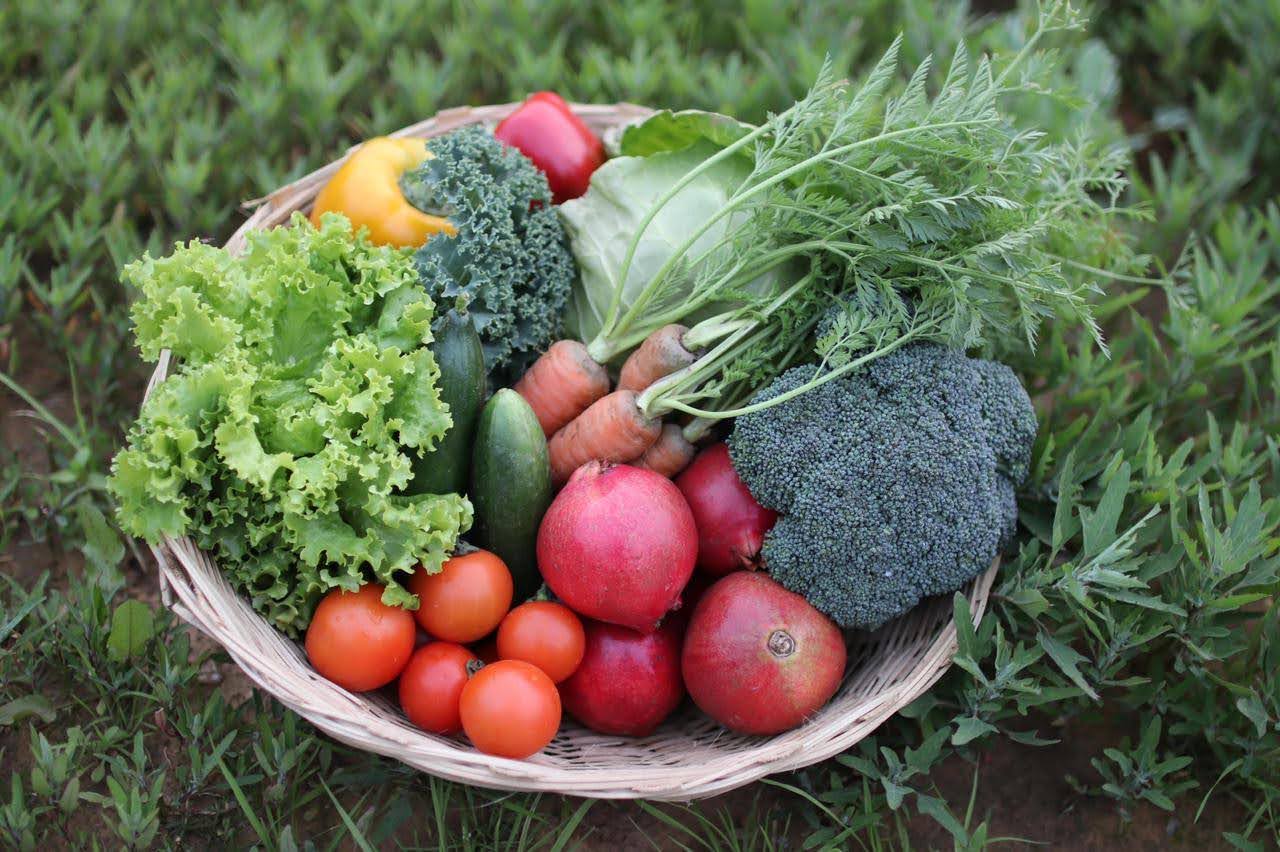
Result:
{"points": [[688, 757]]}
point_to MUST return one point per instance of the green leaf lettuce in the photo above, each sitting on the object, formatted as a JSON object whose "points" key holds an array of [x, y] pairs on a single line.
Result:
{"points": [[282, 437]]}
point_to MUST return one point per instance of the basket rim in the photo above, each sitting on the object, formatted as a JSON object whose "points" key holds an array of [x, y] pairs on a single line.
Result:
{"points": [[192, 586]]}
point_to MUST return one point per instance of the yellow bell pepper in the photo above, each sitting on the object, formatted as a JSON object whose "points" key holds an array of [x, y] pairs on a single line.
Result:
{"points": [[367, 191]]}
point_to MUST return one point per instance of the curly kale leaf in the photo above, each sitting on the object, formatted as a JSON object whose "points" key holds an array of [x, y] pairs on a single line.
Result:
{"points": [[508, 264], [303, 383]]}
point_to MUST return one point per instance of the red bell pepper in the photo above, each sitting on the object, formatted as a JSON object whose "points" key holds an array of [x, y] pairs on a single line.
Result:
{"points": [[558, 142]]}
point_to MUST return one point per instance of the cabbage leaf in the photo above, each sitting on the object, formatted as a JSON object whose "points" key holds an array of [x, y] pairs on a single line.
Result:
{"points": [[674, 131], [603, 222]]}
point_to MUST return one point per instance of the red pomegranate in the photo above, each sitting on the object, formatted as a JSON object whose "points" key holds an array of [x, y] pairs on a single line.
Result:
{"points": [[731, 524], [627, 682], [618, 544], [759, 659]]}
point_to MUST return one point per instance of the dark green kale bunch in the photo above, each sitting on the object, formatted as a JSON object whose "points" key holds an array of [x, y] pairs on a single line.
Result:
{"points": [[508, 264]]}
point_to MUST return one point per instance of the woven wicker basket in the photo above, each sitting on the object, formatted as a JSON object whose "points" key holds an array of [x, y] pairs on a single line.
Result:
{"points": [[689, 757]]}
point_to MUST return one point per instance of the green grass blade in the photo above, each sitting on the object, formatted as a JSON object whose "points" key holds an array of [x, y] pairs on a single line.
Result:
{"points": [[352, 828], [571, 825], [254, 822]]}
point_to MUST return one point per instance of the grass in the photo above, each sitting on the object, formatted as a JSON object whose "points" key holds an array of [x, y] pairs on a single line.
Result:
{"points": [[1132, 637]]}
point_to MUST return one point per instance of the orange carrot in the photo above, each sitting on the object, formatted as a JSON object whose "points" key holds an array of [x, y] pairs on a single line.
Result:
{"points": [[669, 454], [562, 384], [612, 429], [661, 354]]}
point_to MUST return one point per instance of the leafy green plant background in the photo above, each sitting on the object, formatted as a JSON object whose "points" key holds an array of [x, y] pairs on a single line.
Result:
{"points": [[1135, 629]]}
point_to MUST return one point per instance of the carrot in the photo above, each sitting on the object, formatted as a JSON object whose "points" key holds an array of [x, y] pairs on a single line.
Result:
{"points": [[561, 384], [669, 454], [612, 429], [661, 354]]}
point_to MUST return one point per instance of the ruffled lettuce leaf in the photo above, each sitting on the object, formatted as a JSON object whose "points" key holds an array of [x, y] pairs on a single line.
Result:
{"points": [[283, 436]]}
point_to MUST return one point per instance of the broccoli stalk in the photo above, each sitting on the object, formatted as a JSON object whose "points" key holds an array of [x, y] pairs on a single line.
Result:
{"points": [[893, 483], [509, 265]]}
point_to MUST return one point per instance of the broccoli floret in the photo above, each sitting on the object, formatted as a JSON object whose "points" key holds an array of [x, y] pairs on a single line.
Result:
{"points": [[509, 264], [893, 483]]}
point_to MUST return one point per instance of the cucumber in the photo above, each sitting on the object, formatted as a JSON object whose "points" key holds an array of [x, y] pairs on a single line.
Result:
{"points": [[510, 486], [460, 357]]}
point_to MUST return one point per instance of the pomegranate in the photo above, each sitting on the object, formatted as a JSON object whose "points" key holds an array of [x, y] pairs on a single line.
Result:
{"points": [[618, 545], [758, 658], [731, 524], [627, 682]]}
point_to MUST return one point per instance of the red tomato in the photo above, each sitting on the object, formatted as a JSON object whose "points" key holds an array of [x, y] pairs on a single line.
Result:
{"points": [[432, 683], [466, 600], [357, 641], [510, 709], [543, 633], [546, 131]]}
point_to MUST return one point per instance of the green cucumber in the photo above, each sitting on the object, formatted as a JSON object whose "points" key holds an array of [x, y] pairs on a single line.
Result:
{"points": [[510, 486], [460, 357]]}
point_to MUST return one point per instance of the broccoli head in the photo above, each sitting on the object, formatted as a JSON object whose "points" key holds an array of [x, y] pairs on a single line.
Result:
{"points": [[893, 483], [508, 265]]}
